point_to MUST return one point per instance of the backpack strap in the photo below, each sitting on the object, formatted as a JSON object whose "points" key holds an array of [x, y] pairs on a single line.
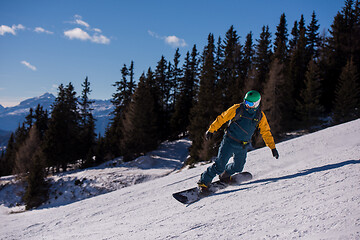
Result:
{"points": [[240, 114], [258, 115]]}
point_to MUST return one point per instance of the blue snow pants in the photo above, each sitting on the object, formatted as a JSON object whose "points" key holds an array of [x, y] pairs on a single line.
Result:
{"points": [[227, 149]]}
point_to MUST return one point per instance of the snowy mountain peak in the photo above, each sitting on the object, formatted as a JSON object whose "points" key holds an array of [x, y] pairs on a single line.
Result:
{"points": [[11, 117], [45, 99]]}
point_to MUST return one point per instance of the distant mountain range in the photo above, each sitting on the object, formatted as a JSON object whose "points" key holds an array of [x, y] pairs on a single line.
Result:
{"points": [[11, 117]]}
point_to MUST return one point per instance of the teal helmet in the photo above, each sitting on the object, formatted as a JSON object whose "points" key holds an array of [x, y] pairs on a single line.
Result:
{"points": [[252, 99]]}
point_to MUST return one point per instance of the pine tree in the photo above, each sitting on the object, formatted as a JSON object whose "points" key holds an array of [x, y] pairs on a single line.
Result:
{"points": [[61, 141], [219, 74], [342, 45], [248, 57], [123, 95], [170, 100], [29, 118], [262, 60], [41, 120], [347, 95], [25, 151], [37, 188], [15, 143], [21, 134], [175, 79], [272, 104], [85, 103], [230, 68], [162, 86], [74, 126], [179, 120], [312, 37], [248, 71], [187, 91], [18, 153], [295, 36], [194, 70], [309, 107], [131, 84], [278, 85], [161, 81], [237, 91], [298, 64], [203, 112], [356, 36], [87, 132], [280, 44], [140, 132], [8, 160], [2, 163], [120, 99], [219, 58], [100, 150]]}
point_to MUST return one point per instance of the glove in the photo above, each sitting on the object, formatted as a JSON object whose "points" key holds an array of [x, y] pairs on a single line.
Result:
{"points": [[208, 135], [275, 153]]}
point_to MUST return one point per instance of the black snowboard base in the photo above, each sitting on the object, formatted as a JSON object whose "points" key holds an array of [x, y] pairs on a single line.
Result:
{"points": [[193, 194]]}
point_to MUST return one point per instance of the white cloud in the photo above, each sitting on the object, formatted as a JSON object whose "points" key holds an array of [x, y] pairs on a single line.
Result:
{"points": [[78, 33], [27, 64], [12, 30], [42, 30], [90, 34], [19, 26], [100, 39], [78, 21], [173, 41], [153, 34], [6, 29], [82, 23]]}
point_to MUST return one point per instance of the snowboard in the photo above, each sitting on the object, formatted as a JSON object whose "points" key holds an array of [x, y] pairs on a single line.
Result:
{"points": [[192, 195]]}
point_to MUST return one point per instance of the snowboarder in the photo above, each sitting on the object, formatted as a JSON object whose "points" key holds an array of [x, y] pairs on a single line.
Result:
{"points": [[243, 119]]}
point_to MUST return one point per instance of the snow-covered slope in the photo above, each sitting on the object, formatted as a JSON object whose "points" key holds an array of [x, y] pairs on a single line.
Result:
{"points": [[76, 185], [311, 192]]}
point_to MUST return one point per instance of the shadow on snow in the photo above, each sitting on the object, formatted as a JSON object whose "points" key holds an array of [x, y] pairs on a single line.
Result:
{"points": [[295, 175]]}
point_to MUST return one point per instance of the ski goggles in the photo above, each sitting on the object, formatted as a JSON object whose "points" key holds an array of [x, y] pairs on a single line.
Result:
{"points": [[252, 104]]}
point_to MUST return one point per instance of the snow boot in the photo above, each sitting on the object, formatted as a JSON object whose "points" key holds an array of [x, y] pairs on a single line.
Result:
{"points": [[203, 188], [225, 177]]}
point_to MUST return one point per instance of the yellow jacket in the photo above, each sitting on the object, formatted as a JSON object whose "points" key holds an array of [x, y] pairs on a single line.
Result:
{"points": [[230, 114]]}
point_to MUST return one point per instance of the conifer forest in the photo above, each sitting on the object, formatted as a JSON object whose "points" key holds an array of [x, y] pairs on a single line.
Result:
{"points": [[307, 79]]}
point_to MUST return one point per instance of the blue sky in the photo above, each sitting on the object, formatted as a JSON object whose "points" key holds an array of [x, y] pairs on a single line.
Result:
{"points": [[44, 43]]}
